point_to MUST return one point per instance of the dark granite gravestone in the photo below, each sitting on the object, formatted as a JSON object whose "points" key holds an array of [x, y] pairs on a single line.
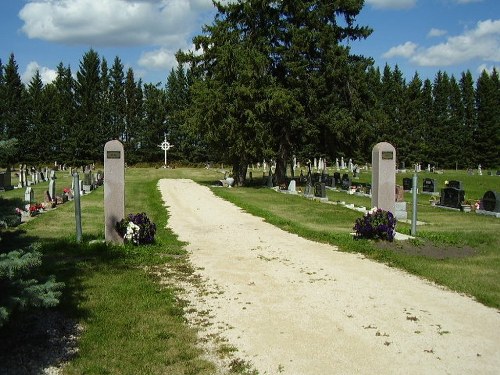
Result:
{"points": [[319, 190], [407, 184], [346, 182], [308, 190], [455, 184], [452, 197], [336, 179], [498, 173], [429, 185], [491, 201], [6, 180]]}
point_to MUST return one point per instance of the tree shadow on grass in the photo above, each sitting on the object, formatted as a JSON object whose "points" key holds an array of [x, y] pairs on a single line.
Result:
{"points": [[34, 341]]}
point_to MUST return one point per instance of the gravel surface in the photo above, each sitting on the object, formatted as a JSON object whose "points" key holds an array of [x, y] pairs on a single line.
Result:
{"points": [[293, 306]]}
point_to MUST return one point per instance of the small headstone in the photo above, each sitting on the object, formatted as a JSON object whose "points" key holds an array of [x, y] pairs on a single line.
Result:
{"points": [[319, 190], [345, 183], [452, 197], [114, 189], [292, 187], [407, 184], [29, 195], [455, 184], [336, 179], [400, 196], [5, 180], [52, 185], [429, 185], [491, 201]]}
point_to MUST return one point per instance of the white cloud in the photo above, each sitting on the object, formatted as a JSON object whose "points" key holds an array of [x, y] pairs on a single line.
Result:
{"points": [[393, 4], [46, 74], [403, 50], [112, 22], [436, 32], [489, 68], [482, 42], [160, 59]]}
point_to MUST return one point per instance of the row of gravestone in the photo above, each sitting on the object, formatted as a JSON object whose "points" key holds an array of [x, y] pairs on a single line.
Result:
{"points": [[429, 185], [27, 177], [336, 180]]}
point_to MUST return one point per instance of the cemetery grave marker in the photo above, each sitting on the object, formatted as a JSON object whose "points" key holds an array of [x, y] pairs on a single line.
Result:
{"points": [[320, 190], [429, 185], [384, 176], [114, 189], [407, 184], [452, 197], [455, 184], [491, 201]]}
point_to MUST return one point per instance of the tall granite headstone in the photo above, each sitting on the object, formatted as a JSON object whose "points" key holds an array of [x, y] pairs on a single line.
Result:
{"points": [[114, 189], [384, 176]]}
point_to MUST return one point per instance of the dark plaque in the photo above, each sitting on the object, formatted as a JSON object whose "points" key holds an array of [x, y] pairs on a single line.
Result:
{"points": [[113, 154], [387, 155]]}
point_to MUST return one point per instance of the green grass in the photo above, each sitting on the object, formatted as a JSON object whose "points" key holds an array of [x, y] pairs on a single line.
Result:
{"points": [[134, 325]]}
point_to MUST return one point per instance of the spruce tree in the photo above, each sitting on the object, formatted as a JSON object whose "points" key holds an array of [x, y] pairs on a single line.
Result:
{"points": [[14, 109], [89, 132], [487, 134], [469, 118]]}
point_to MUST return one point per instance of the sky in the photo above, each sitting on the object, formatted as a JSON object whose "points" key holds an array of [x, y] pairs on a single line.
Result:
{"points": [[424, 36]]}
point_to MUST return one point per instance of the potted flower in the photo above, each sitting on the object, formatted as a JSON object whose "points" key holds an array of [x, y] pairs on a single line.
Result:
{"points": [[137, 229], [376, 224]]}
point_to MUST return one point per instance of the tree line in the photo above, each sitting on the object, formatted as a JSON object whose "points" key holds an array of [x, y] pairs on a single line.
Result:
{"points": [[273, 80]]}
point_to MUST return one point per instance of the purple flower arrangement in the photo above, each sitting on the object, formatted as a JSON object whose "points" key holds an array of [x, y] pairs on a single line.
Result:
{"points": [[137, 229], [376, 224]]}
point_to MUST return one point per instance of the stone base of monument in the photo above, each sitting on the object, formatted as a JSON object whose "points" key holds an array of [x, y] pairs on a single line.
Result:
{"points": [[488, 213], [400, 212]]}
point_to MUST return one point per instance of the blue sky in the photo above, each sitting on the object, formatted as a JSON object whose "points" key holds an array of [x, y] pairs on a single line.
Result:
{"points": [[418, 35]]}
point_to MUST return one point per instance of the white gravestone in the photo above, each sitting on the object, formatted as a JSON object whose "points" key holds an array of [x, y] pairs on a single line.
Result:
{"points": [[114, 189], [384, 176], [52, 185]]}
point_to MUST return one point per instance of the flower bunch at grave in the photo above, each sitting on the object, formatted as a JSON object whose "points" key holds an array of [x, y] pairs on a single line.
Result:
{"points": [[376, 224], [137, 229]]}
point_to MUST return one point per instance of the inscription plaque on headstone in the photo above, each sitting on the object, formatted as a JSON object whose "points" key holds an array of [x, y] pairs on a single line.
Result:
{"points": [[114, 189]]}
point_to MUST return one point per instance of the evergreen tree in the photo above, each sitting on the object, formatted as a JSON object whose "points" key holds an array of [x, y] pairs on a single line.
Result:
{"points": [[14, 120], [274, 68], [469, 118], [427, 135], [118, 102], [455, 140], [61, 92], [20, 289], [415, 123], [487, 135], [153, 126], [89, 132], [133, 115], [37, 128], [106, 119]]}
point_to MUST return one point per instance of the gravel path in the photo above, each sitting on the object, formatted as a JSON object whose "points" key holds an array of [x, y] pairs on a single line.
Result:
{"points": [[293, 306]]}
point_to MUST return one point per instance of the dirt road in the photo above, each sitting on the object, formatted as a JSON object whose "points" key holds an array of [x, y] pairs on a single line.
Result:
{"points": [[293, 306]]}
